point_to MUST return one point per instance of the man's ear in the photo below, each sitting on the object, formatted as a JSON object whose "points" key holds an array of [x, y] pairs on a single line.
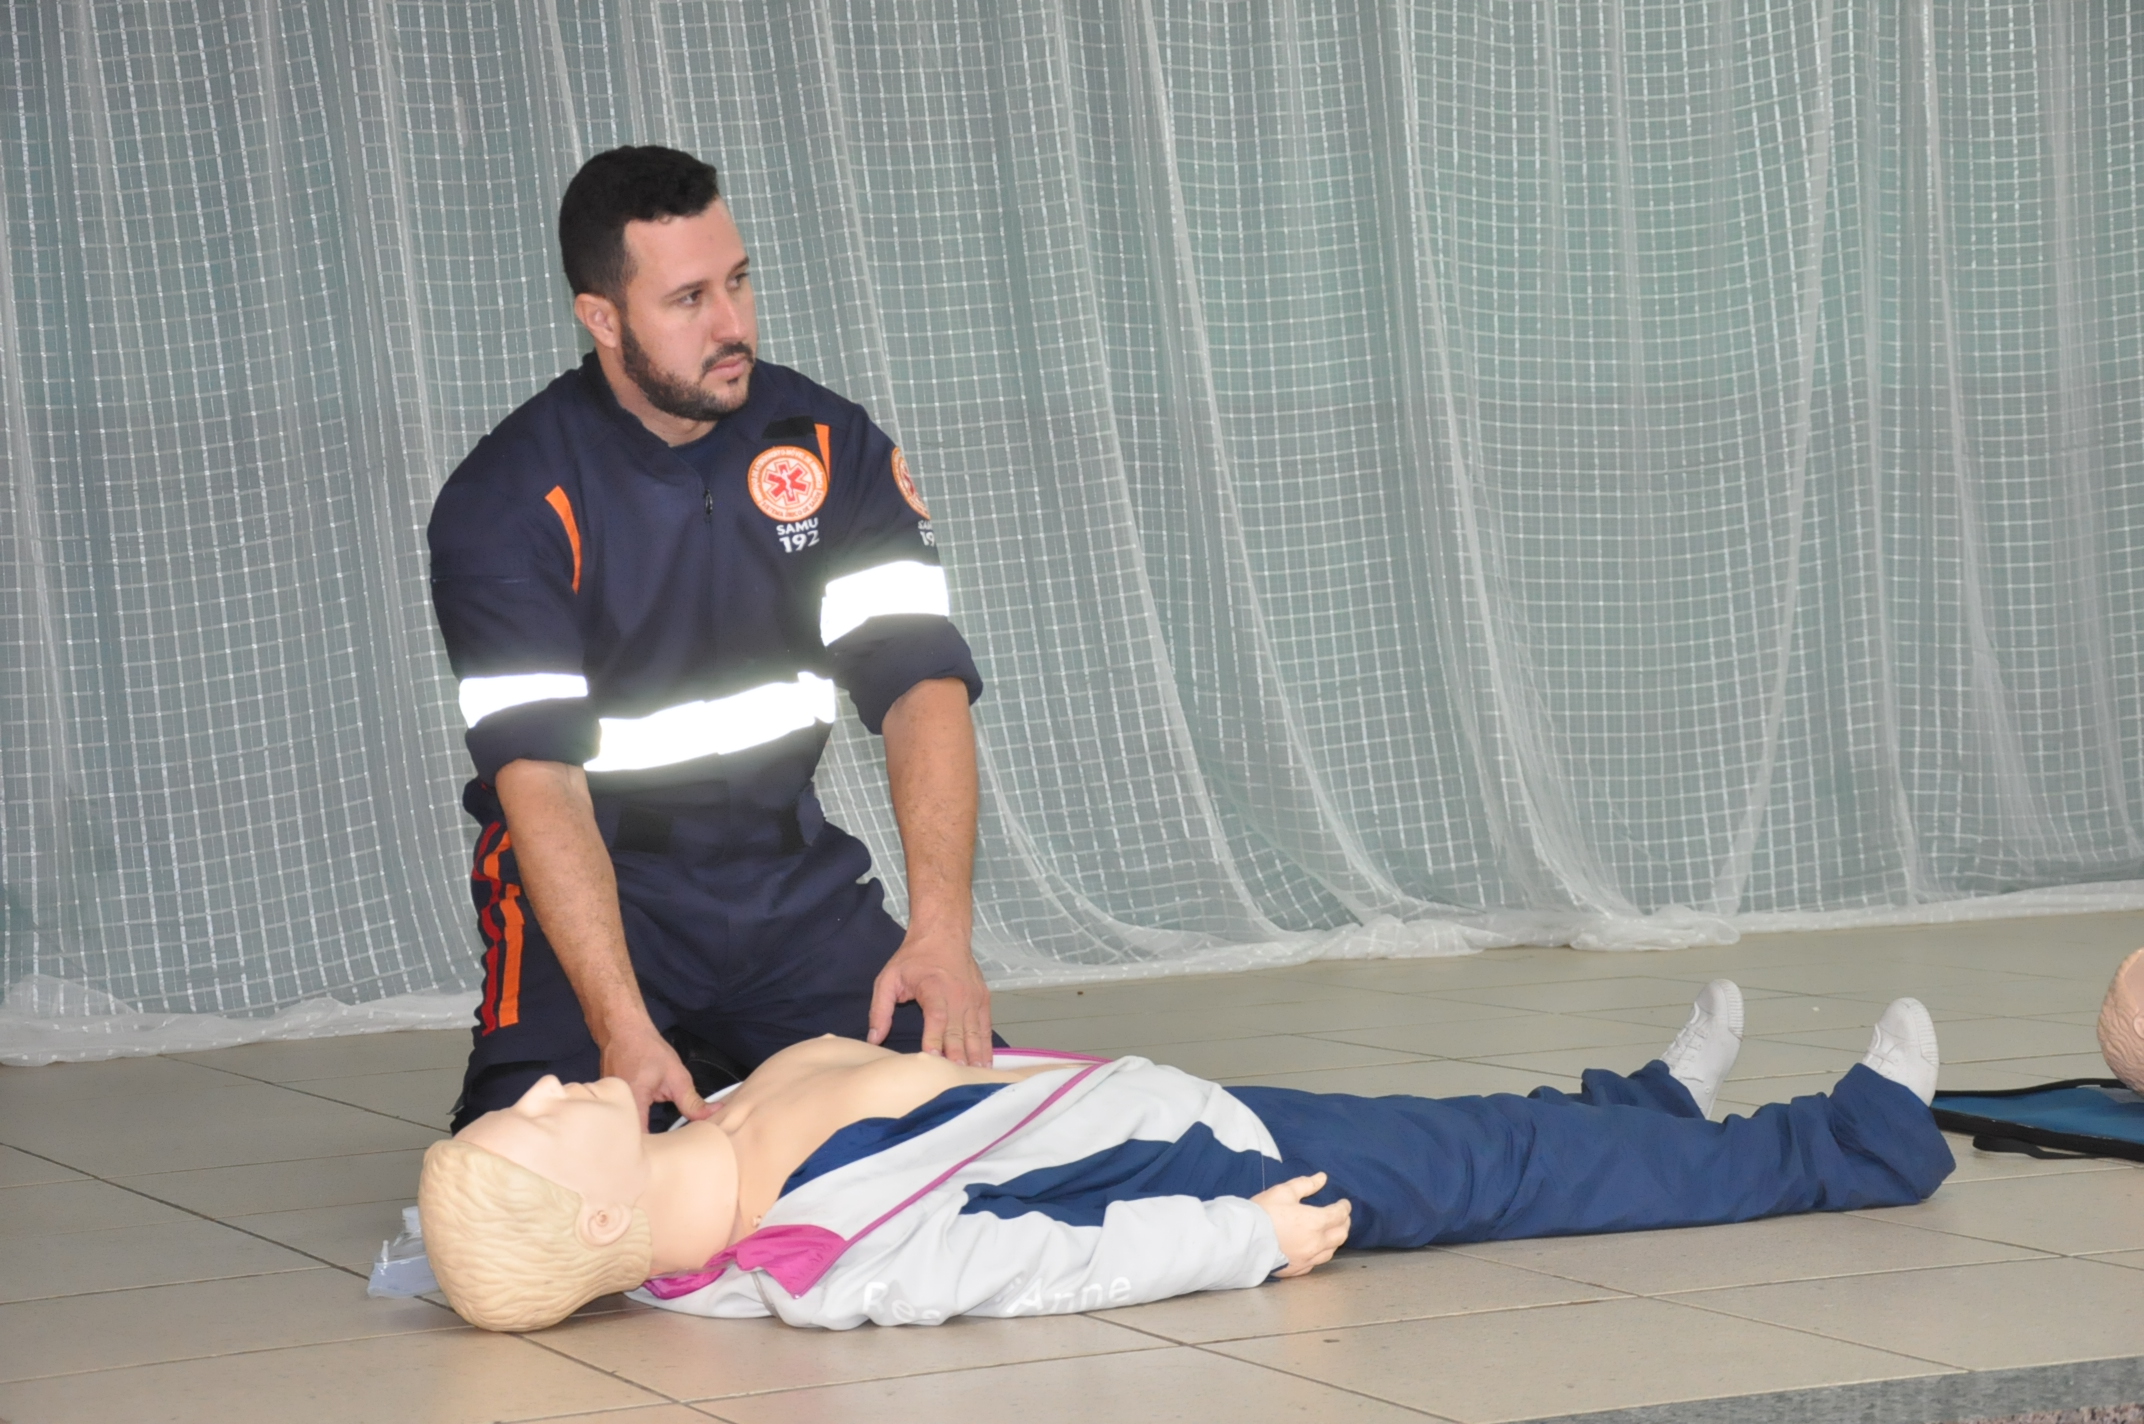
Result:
{"points": [[600, 315], [603, 1225]]}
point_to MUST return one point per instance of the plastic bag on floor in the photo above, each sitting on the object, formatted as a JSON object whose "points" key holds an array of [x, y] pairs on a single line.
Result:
{"points": [[403, 1268]]}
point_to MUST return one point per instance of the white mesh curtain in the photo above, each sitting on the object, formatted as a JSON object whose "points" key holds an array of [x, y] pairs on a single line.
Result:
{"points": [[1417, 476]]}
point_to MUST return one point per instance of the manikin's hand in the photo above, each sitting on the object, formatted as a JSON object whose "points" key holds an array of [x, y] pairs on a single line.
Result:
{"points": [[1308, 1234], [939, 973], [651, 1067]]}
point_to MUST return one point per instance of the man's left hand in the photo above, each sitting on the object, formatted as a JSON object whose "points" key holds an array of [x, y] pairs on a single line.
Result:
{"points": [[939, 973]]}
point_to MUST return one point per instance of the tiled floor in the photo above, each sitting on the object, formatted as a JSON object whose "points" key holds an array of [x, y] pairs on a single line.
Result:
{"points": [[183, 1239]]}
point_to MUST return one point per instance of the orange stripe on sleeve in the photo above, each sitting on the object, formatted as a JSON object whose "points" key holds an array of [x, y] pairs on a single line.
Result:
{"points": [[826, 447], [563, 508]]}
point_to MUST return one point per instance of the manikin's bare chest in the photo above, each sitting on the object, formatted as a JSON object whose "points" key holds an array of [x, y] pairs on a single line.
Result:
{"points": [[805, 1094]]}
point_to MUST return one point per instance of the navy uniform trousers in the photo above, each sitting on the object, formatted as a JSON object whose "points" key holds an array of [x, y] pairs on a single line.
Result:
{"points": [[1624, 1154], [746, 933]]}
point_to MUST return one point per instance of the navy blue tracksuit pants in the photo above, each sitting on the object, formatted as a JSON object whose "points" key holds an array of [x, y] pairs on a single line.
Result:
{"points": [[1624, 1154]]}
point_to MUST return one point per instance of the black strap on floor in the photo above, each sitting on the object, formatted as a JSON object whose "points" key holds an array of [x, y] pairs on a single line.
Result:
{"points": [[1989, 1142]]}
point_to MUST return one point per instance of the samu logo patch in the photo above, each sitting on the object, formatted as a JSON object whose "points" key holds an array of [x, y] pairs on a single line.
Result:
{"points": [[787, 483], [907, 483]]}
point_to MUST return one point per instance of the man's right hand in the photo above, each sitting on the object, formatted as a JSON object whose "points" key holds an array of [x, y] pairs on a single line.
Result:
{"points": [[651, 1067], [567, 872]]}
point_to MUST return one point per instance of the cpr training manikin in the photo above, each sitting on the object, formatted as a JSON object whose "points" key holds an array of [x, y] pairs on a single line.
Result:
{"points": [[842, 1183]]}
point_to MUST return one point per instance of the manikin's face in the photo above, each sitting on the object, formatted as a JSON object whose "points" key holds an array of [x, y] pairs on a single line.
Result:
{"points": [[587, 1137], [687, 332]]}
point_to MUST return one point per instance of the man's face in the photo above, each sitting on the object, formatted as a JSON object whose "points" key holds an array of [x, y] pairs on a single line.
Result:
{"points": [[688, 332]]}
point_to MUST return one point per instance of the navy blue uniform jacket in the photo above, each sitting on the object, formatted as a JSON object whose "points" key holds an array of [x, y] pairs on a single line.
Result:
{"points": [[675, 620]]}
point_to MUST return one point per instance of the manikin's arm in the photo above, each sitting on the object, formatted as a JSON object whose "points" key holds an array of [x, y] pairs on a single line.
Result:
{"points": [[567, 873], [930, 771]]}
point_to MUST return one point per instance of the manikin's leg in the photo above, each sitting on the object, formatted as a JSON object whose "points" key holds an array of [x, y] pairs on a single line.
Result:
{"points": [[1628, 1155], [1686, 1079]]}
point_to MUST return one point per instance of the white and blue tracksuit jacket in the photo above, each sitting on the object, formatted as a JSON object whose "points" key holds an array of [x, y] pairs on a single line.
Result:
{"points": [[1067, 1191]]}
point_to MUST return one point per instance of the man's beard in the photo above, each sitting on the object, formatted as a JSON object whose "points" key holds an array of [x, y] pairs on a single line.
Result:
{"points": [[674, 397]]}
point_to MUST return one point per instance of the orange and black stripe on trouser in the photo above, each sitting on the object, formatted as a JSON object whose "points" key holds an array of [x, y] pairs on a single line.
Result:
{"points": [[528, 1021], [502, 918]]}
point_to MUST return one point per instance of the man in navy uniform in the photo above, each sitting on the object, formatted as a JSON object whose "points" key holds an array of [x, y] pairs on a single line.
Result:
{"points": [[651, 579]]}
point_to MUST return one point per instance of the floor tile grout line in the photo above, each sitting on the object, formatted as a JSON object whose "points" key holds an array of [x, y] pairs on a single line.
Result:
{"points": [[79, 1175], [324, 1098], [282, 1162], [1996, 1240], [121, 1182], [1332, 1035], [316, 1077], [220, 1167], [905, 1374], [360, 1107], [603, 1413], [1625, 1293], [1492, 1061], [1819, 1335], [2038, 1255], [549, 1348], [316, 1097], [1393, 995], [459, 1328], [346, 1077], [232, 1223], [165, 1285], [176, 1058], [1150, 1334], [454, 1328], [1324, 1383], [1609, 1293], [1405, 1054]]}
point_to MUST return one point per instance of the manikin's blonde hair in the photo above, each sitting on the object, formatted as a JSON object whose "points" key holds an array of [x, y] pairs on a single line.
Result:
{"points": [[505, 1242]]}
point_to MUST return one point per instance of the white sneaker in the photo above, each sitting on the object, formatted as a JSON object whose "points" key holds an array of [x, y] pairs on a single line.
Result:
{"points": [[1704, 1052], [1903, 1048]]}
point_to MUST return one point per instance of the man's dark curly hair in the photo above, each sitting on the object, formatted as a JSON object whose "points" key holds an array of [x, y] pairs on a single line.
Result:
{"points": [[619, 186]]}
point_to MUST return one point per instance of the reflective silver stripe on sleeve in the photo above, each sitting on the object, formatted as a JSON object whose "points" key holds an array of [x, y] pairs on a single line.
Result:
{"points": [[482, 696], [717, 726], [904, 587]]}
